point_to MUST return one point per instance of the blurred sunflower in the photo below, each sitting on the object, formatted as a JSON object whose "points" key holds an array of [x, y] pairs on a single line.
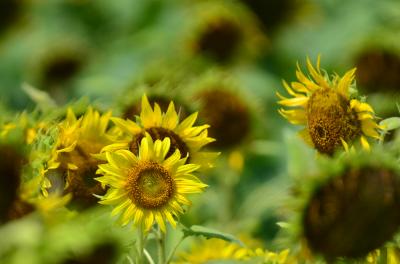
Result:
{"points": [[11, 12], [217, 31], [150, 186], [267, 257], [378, 70], [213, 249], [274, 14], [11, 166], [54, 67], [185, 137], [231, 112], [19, 185], [325, 106], [340, 202], [72, 157], [378, 67]]}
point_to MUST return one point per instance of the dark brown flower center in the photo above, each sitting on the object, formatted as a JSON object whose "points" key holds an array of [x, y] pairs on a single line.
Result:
{"points": [[273, 13], [161, 133], [82, 185], [104, 253], [10, 12], [150, 185], [220, 40], [11, 163], [378, 70], [227, 115], [330, 119], [19, 209], [353, 214], [61, 68]]}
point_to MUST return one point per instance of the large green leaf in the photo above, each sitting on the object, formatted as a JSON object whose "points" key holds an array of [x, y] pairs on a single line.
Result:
{"points": [[197, 230], [390, 123]]}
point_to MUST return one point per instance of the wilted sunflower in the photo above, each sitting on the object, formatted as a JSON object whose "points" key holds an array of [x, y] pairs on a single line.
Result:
{"points": [[150, 186], [72, 156], [331, 116], [185, 137]]}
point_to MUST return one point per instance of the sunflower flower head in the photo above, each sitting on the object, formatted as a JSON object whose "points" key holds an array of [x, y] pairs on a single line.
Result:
{"points": [[347, 196], [184, 136], [72, 156], [58, 64], [12, 11], [213, 250], [150, 186], [332, 118], [378, 70], [10, 173], [217, 32], [228, 115]]}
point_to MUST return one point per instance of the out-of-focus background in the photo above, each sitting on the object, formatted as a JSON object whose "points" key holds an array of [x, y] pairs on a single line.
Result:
{"points": [[225, 59]]}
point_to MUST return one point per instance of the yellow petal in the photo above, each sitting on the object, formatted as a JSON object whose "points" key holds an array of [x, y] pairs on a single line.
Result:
{"points": [[128, 126], [364, 143], [297, 101]]}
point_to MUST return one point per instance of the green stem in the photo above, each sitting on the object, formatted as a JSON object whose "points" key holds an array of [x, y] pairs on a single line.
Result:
{"points": [[172, 253], [147, 255], [140, 245], [161, 246]]}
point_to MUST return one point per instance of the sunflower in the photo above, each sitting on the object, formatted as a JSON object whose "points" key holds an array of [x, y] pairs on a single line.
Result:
{"points": [[212, 250], [336, 205], [185, 137], [72, 156], [265, 256], [150, 186], [331, 116], [215, 31]]}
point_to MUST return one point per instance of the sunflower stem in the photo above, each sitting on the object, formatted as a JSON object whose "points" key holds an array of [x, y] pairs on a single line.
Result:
{"points": [[140, 245], [172, 253], [161, 246], [149, 258]]}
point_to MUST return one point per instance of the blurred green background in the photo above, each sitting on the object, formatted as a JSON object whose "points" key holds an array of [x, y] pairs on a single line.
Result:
{"points": [[111, 52]]}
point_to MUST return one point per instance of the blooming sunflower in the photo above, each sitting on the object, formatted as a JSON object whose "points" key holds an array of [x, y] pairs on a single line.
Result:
{"points": [[72, 155], [332, 118], [185, 137], [148, 187]]}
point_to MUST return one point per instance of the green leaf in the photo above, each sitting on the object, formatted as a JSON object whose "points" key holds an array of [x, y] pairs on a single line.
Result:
{"points": [[390, 123], [197, 230]]}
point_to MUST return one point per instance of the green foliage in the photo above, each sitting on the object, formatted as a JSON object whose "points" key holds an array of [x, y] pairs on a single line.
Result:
{"points": [[208, 233]]}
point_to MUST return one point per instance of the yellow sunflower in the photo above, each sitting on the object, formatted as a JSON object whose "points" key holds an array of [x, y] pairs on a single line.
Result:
{"points": [[214, 250], [332, 118], [78, 140], [185, 137], [148, 187], [266, 256]]}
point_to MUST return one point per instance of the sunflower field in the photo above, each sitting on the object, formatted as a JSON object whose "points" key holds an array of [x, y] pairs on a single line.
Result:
{"points": [[199, 131]]}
